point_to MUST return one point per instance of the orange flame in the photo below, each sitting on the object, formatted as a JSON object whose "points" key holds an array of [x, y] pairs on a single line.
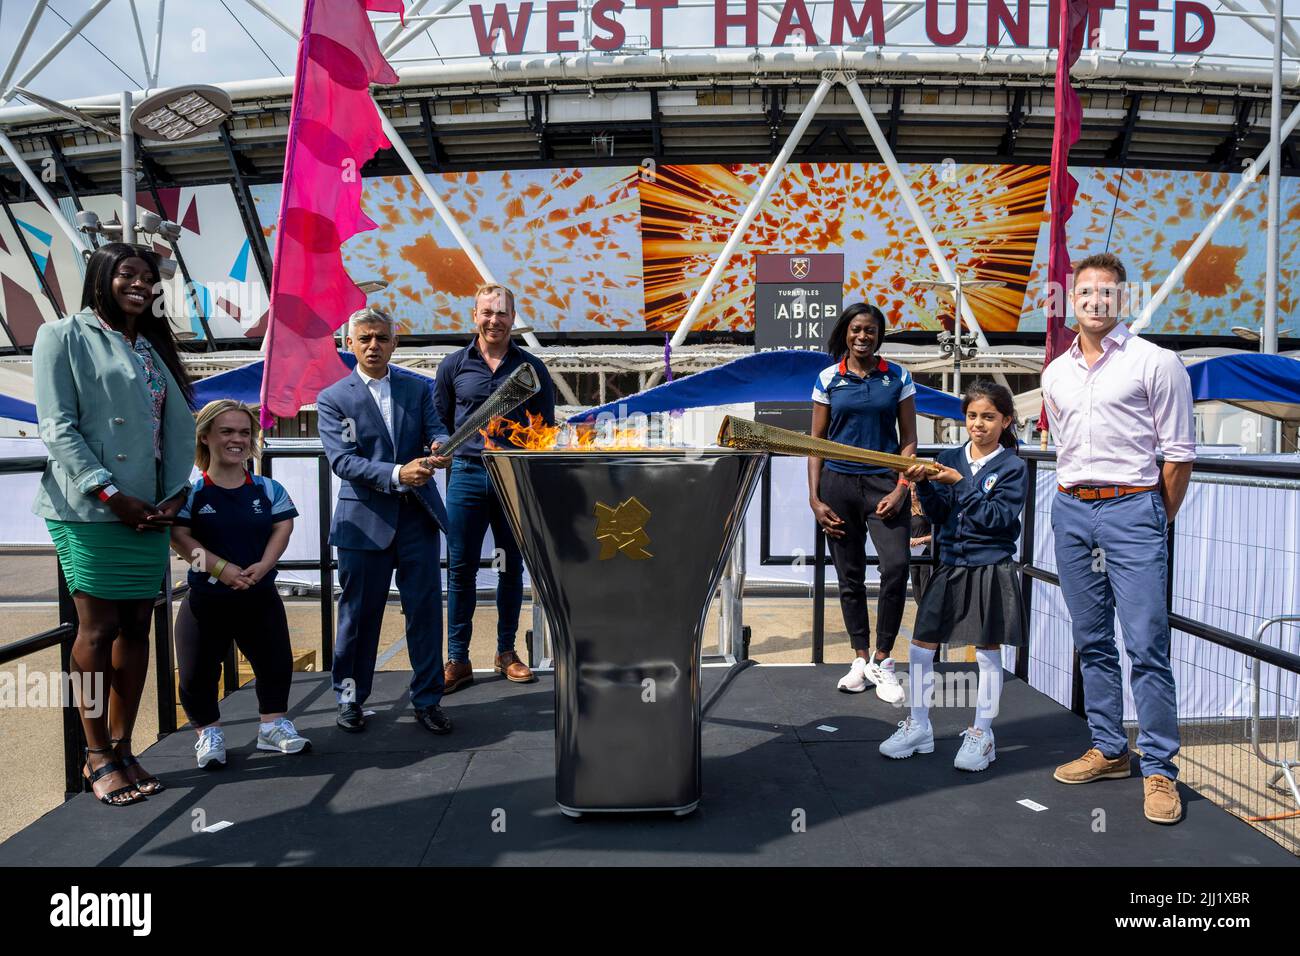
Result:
{"points": [[538, 436], [535, 436]]}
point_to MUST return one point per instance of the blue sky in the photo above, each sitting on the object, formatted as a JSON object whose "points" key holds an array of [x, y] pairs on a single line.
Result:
{"points": [[218, 40]]}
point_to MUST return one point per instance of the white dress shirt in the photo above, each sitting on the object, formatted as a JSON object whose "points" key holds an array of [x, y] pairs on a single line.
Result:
{"points": [[975, 464], [381, 390], [1110, 420]]}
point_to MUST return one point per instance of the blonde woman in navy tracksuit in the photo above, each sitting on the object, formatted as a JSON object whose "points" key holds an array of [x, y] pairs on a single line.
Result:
{"points": [[974, 595]]}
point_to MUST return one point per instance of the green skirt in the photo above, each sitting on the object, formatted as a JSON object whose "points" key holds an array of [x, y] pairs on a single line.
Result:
{"points": [[110, 560]]}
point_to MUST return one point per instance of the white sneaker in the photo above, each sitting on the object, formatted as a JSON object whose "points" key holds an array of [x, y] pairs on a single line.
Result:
{"points": [[283, 738], [977, 750], [855, 681], [888, 688], [211, 747], [910, 738]]}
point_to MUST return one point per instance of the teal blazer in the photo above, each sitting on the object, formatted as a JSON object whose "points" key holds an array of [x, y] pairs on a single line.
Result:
{"points": [[95, 417]]}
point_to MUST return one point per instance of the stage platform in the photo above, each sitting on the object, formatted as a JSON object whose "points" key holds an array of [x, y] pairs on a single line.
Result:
{"points": [[399, 796]]}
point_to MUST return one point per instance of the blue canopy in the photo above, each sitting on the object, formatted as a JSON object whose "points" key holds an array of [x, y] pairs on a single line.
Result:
{"points": [[1262, 383], [244, 384], [1266, 384], [785, 375], [17, 409]]}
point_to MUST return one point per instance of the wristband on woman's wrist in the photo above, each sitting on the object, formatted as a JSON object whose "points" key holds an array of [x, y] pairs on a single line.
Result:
{"points": [[107, 491], [215, 574], [903, 482]]}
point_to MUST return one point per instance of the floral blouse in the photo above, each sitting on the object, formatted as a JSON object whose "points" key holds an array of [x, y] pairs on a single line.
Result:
{"points": [[154, 379]]}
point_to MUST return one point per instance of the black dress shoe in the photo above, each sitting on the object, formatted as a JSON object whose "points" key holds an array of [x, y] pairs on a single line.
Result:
{"points": [[433, 719], [350, 718]]}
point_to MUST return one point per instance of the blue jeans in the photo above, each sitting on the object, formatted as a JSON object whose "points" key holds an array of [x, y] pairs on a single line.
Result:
{"points": [[1112, 554], [472, 508]]}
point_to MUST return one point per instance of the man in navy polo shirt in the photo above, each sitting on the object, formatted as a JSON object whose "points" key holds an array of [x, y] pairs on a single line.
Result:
{"points": [[864, 401], [464, 381]]}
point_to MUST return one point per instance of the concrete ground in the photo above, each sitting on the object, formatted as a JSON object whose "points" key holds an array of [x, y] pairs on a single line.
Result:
{"points": [[31, 753]]}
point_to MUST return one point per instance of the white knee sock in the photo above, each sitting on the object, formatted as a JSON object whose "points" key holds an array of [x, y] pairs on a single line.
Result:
{"points": [[920, 671], [990, 689]]}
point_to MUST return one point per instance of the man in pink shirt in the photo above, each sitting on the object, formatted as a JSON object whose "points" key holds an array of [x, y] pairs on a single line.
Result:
{"points": [[1115, 402]]}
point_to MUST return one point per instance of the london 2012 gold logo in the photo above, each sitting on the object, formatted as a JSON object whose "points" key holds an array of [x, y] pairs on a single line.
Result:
{"points": [[622, 530]]}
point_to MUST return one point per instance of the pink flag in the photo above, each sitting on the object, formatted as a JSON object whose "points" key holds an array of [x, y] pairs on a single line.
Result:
{"points": [[1072, 22], [334, 129]]}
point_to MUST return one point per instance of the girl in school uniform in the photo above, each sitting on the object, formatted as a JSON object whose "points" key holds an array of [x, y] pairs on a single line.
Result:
{"points": [[974, 595]]}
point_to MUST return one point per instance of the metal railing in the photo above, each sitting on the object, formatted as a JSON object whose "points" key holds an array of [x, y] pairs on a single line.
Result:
{"points": [[1223, 757], [1222, 753], [1256, 650], [65, 635], [326, 564]]}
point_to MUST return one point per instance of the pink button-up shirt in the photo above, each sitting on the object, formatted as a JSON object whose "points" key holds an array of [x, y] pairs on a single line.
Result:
{"points": [[1111, 420]]}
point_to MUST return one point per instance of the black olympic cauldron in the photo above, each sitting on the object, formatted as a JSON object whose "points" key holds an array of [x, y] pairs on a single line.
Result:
{"points": [[625, 550]]}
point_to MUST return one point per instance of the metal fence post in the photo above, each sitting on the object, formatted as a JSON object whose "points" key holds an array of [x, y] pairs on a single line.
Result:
{"points": [[73, 735], [819, 596], [325, 506], [1027, 531], [162, 638]]}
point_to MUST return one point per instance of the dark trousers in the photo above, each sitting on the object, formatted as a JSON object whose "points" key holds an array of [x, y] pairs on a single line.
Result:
{"points": [[854, 499], [206, 623], [365, 577], [472, 508]]}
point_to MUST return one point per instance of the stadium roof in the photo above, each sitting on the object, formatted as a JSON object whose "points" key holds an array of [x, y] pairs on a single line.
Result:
{"points": [[459, 110]]}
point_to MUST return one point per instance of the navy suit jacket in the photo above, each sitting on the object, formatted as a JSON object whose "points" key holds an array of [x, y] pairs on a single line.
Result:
{"points": [[361, 453]]}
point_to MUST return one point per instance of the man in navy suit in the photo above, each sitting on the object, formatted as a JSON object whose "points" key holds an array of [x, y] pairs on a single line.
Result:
{"points": [[379, 431]]}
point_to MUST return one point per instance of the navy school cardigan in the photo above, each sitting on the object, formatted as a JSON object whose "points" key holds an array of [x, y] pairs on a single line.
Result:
{"points": [[977, 520]]}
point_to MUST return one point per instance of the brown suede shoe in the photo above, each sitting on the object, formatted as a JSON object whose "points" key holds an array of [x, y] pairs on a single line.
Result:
{"points": [[1160, 800], [1094, 765], [516, 670], [455, 675]]}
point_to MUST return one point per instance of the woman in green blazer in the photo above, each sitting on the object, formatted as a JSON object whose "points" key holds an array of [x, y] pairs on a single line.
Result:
{"points": [[112, 398]]}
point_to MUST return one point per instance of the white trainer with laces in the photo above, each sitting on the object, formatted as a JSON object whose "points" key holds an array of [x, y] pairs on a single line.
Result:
{"points": [[910, 738], [210, 748], [855, 681], [977, 750], [888, 688], [282, 738]]}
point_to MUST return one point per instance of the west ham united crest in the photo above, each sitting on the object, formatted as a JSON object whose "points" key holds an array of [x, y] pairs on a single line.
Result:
{"points": [[800, 267]]}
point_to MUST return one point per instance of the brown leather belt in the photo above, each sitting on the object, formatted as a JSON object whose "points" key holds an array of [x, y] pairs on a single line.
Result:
{"points": [[1099, 492]]}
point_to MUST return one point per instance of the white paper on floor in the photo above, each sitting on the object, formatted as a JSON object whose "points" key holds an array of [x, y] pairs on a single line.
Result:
{"points": [[220, 825], [1036, 807], [828, 728]]}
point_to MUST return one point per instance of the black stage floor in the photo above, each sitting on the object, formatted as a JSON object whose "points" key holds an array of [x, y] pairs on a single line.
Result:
{"points": [[397, 795]]}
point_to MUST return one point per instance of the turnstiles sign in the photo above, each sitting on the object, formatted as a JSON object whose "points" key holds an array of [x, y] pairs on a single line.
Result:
{"points": [[797, 301]]}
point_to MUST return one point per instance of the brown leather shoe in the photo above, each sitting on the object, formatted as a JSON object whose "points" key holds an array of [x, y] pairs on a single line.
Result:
{"points": [[455, 675], [516, 670], [1094, 765], [1160, 800]]}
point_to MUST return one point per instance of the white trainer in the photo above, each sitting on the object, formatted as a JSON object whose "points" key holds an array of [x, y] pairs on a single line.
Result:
{"points": [[210, 748], [283, 738], [855, 681], [910, 738], [977, 750], [888, 688]]}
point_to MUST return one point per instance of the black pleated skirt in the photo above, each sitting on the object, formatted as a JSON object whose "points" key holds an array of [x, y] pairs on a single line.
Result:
{"points": [[977, 605]]}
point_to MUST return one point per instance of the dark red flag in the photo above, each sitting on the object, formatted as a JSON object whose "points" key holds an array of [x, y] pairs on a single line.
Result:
{"points": [[1072, 24]]}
